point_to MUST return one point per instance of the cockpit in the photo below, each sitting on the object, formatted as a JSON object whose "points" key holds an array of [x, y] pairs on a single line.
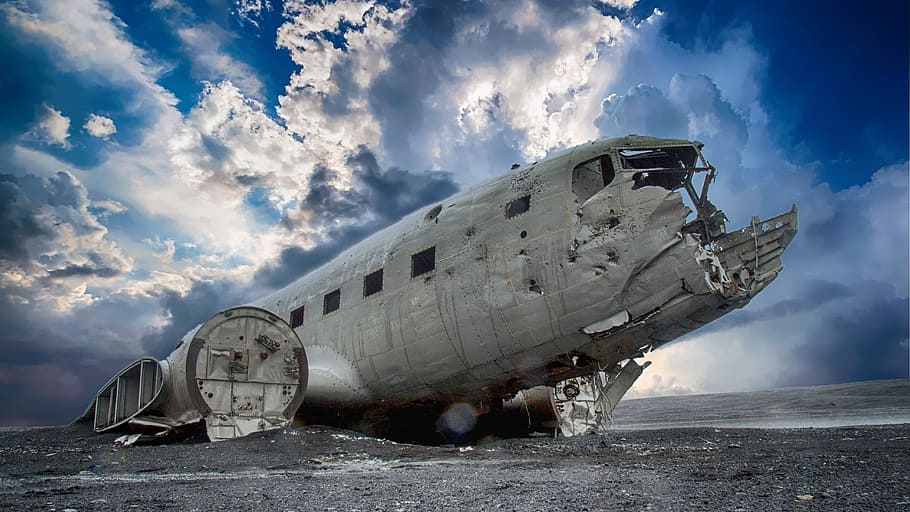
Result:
{"points": [[671, 167]]}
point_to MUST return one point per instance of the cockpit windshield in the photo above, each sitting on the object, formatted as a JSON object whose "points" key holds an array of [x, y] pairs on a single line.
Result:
{"points": [[673, 168], [663, 167], [670, 167]]}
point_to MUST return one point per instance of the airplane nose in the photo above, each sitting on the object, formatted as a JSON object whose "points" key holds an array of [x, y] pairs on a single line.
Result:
{"points": [[669, 280]]}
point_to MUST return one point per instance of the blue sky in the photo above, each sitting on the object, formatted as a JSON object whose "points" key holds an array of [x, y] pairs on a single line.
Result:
{"points": [[164, 158]]}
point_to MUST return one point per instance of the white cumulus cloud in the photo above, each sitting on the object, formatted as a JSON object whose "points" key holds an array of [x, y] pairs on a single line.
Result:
{"points": [[51, 126], [99, 126], [332, 121], [250, 11], [55, 245]]}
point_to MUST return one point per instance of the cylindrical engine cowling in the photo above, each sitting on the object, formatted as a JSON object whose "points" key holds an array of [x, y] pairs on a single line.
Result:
{"points": [[242, 371], [530, 410]]}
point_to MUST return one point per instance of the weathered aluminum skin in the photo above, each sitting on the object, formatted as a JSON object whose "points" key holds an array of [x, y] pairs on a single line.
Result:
{"points": [[476, 326], [569, 286]]}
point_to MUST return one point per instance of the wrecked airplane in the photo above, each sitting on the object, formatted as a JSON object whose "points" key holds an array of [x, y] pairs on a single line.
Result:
{"points": [[563, 269]]}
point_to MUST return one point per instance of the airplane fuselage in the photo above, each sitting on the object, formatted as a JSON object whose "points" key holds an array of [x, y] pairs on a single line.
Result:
{"points": [[509, 292], [559, 268]]}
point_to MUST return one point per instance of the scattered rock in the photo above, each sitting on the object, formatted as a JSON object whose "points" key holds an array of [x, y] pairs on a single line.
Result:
{"points": [[745, 470]]}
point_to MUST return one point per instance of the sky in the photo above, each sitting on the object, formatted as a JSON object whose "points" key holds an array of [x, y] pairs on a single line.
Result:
{"points": [[163, 159]]}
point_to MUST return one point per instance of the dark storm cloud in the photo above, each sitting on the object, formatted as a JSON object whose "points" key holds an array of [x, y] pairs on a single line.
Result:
{"points": [[53, 362], [328, 202], [248, 180], [294, 262], [24, 339], [18, 223], [82, 271], [417, 64], [53, 356], [56, 390], [865, 340], [186, 311], [395, 192], [801, 301], [384, 195], [847, 333]]}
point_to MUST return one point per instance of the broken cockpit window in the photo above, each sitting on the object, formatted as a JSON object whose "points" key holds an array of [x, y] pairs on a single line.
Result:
{"points": [[672, 168], [663, 167], [590, 177]]}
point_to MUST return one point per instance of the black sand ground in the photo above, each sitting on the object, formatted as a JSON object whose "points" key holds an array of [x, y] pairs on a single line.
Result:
{"points": [[703, 468]]}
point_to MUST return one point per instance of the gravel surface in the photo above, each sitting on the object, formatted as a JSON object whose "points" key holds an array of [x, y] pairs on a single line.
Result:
{"points": [[674, 453], [847, 468]]}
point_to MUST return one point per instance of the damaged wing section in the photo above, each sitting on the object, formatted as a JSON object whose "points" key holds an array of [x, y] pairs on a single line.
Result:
{"points": [[242, 371]]}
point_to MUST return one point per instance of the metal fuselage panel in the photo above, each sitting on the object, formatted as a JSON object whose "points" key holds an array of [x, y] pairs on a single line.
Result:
{"points": [[508, 295]]}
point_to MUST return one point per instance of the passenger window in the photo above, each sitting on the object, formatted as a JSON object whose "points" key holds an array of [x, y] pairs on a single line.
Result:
{"points": [[518, 206], [423, 262], [331, 302], [372, 283], [297, 318]]}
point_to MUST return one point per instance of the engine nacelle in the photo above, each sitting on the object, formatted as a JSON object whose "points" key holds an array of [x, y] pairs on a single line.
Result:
{"points": [[244, 370], [577, 406]]}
